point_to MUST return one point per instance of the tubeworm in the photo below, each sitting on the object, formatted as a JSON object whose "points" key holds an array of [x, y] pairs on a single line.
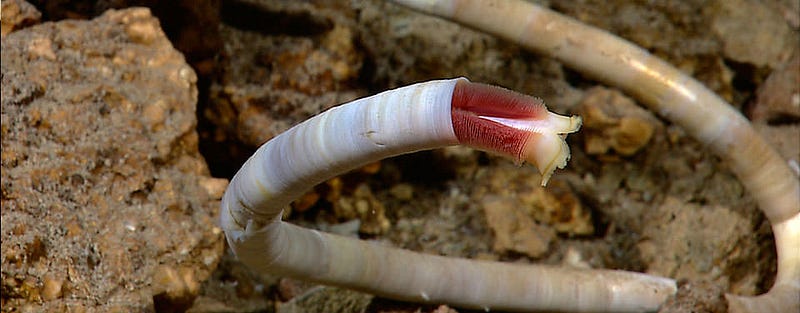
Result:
{"points": [[421, 116]]}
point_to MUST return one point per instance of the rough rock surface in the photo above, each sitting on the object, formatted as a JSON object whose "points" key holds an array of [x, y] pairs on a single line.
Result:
{"points": [[191, 25], [698, 296], [18, 14], [702, 243], [722, 43], [514, 230], [776, 110], [613, 125], [274, 75], [107, 205]]}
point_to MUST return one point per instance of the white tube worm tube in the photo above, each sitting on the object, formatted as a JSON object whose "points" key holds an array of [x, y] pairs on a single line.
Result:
{"points": [[416, 117], [345, 137], [670, 93]]}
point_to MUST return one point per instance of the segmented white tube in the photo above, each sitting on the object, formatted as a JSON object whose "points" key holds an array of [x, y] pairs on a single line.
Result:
{"points": [[404, 120], [399, 121]]}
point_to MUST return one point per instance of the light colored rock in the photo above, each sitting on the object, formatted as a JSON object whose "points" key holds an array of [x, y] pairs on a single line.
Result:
{"points": [[613, 122], [101, 174], [17, 14], [515, 231], [686, 241]]}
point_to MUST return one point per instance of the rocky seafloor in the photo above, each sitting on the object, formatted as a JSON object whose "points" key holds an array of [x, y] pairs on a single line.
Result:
{"points": [[121, 126]]}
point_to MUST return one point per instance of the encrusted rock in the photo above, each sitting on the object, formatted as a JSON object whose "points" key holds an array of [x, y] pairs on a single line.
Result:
{"points": [[191, 25], [776, 110], [101, 176], [686, 241], [778, 99], [364, 206], [272, 78], [515, 231], [18, 14], [613, 122], [174, 289], [555, 206], [752, 32]]}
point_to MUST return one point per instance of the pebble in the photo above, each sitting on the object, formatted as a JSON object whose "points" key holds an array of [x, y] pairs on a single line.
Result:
{"points": [[514, 231], [613, 124], [52, 288]]}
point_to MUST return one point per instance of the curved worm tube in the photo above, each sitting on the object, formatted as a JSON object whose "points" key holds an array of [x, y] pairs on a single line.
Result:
{"points": [[422, 116]]}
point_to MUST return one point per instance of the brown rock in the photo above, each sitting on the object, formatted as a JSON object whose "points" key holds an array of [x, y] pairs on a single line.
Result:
{"points": [[555, 205], [18, 14], [272, 78], [696, 296], [215, 187], [701, 37], [611, 121], [752, 32], [515, 231], [52, 288], [776, 111], [778, 98], [184, 22], [364, 206], [328, 299], [305, 202], [686, 241], [100, 165], [289, 288], [174, 289]]}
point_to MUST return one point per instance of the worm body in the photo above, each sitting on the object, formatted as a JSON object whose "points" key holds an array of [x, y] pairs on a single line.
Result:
{"points": [[422, 116]]}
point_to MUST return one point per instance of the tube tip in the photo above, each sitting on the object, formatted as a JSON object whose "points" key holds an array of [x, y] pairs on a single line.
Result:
{"points": [[547, 149], [496, 119], [547, 152]]}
